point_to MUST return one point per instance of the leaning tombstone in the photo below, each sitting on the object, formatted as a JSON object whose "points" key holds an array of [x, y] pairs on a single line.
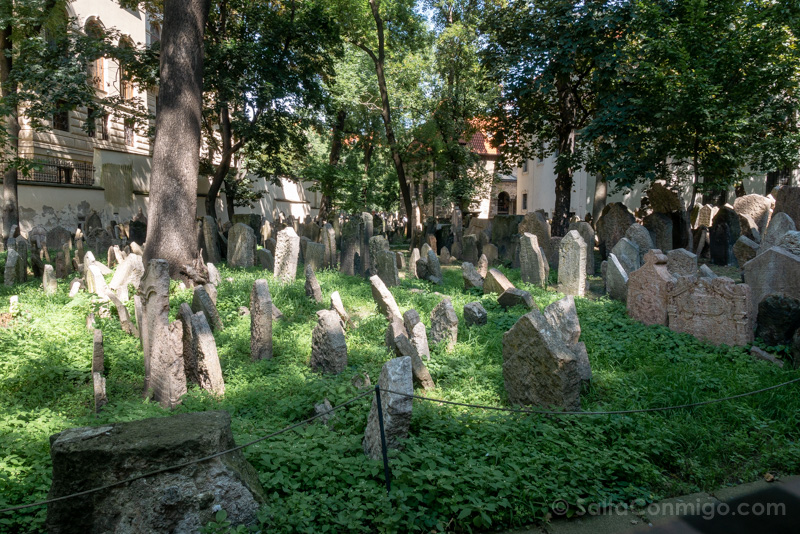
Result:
{"points": [[475, 314], [412, 263], [328, 345], [386, 267], [616, 279], [534, 268], [496, 282], [207, 370], [681, 262], [338, 306], [10, 274], [444, 324], [287, 253], [383, 298], [312, 285], [261, 315], [396, 376], [202, 302], [162, 341], [471, 276]]}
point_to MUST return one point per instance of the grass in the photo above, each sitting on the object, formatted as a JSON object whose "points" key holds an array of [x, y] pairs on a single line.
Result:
{"points": [[461, 470]]}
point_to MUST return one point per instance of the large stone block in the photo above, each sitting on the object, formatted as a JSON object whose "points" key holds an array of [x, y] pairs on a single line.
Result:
{"points": [[496, 282], [396, 375], [444, 324], [328, 346], [287, 253], [649, 288], [779, 225], [538, 367], [180, 501], [241, 246]]}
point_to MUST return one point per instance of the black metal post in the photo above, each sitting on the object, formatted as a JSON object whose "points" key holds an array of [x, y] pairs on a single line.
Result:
{"points": [[386, 474]]}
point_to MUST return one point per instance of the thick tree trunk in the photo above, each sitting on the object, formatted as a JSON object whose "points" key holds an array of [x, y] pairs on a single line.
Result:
{"points": [[333, 160], [566, 149], [176, 153], [386, 113], [10, 206]]}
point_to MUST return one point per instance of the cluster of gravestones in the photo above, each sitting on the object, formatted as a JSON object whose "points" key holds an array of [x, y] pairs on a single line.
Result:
{"points": [[665, 286]]}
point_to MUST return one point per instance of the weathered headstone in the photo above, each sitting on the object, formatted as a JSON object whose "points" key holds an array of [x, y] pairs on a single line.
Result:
{"points": [[314, 255], [535, 223], [412, 263], [211, 251], [167, 502], [433, 267], [383, 298], [718, 310], [538, 367], [444, 256], [614, 221], [723, 234], [775, 271], [475, 314], [444, 324], [516, 297], [471, 276], [313, 290], [563, 317], [496, 282], [261, 315], [351, 247], [469, 249], [10, 273], [482, 266], [265, 260], [491, 253], [628, 254], [681, 262], [661, 230], [58, 237], [778, 226], [241, 246], [705, 216], [202, 302], [287, 252], [778, 319], [572, 265], [95, 283], [377, 244], [202, 364], [787, 200], [328, 346], [744, 250], [791, 242], [386, 266], [616, 279], [396, 375], [649, 288], [162, 341], [587, 233], [338, 306], [329, 256]]}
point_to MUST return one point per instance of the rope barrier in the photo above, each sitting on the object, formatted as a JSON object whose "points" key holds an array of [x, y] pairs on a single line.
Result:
{"points": [[185, 464], [614, 412]]}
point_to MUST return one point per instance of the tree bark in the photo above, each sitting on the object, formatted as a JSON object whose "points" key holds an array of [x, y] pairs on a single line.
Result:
{"points": [[600, 198], [386, 111], [566, 149], [10, 207], [333, 160], [176, 152]]}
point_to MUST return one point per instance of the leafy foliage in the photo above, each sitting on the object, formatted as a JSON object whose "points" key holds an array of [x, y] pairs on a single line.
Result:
{"points": [[461, 469]]}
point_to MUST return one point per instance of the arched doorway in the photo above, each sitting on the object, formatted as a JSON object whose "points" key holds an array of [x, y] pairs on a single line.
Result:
{"points": [[503, 203]]}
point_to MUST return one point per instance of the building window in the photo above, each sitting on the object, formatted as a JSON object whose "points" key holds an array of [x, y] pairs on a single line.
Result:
{"points": [[125, 82], [91, 123], [61, 119], [97, 126], [96, 66], [525, 166], [524, 201], [503, 203], [129, 134]]}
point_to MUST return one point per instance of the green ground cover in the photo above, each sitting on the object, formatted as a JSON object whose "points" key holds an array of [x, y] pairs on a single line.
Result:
{"points": [[461, 469]]}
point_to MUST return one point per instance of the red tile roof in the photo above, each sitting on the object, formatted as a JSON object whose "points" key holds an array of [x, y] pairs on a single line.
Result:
{"points": [[480, 145]]}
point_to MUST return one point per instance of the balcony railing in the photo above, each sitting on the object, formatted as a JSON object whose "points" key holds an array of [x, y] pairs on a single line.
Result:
{"points": [[58, 171]]}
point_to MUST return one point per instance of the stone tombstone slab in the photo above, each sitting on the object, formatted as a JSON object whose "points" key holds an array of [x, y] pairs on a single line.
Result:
{"points": [[538, 367], [261, 315], [628, 254], [329, 257], [241, 246], [386, 266], [49, 282], [504, 227], [434, 268], [338, 306], [396, 375], [778, 319], [516, 297], [572, 265], [563, 317], [475, 314], [58, 237], [400, 260], [207, 370], [614, 221], [366, 227], [616, 279], [377, 244], [270, 245], [775, 271], [412, 263], [167, 502], [10, 273], [423, 251], [706, 272], [724, 232], [491, 253], [496, 282], [662, 199], [749, 228], [681, 262], [779, 225], [402, 346], [95, 283], [469, 249], [444, 324], [791, 242], [287, 253], [587, 233], [162, 342], [253, 220], [265, 260], [314, 255], [213, 274], [22, 264], [717, 311], [483, 265], [444, 256], [649, 288], [661, 230], [470, 276], [313, 290], [384, 299], [705, 216], [202, 302], [787, 200], [744, 250], [535, 223], [128, 273], [328, 346], [211, 250], [351, 247], [61, 265]]}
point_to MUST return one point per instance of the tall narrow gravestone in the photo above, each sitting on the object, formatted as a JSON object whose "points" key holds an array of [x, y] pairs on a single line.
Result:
{"points": [[287, 252], [572, 265], [162, 341], [261, 321]]}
